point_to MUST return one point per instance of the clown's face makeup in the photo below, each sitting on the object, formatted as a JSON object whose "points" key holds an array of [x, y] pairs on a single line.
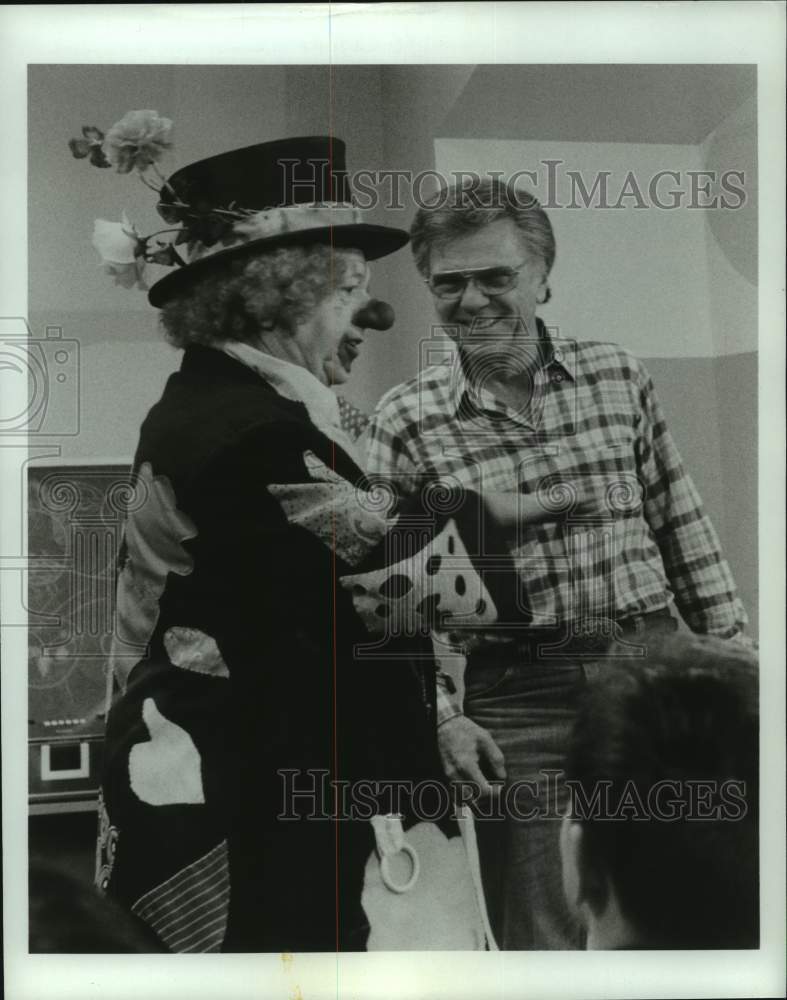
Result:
{"points": [[328, 339]]}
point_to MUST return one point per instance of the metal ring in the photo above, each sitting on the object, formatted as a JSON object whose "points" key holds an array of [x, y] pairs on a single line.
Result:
{"points": [[388, 882]]}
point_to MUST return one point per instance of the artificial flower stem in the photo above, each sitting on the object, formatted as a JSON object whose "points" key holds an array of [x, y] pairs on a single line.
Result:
{"points": [[148, 184], [176, 229], [197, 215], [164, 182]]}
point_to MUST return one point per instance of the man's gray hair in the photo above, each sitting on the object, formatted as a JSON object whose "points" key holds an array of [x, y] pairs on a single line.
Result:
{"points": [[467, 207]]}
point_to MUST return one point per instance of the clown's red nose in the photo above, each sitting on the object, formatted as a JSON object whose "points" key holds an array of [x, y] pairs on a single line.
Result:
{"points": [[375, 315]]}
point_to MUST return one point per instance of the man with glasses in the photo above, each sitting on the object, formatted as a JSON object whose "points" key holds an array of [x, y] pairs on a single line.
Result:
{"points": [[520, 410]]}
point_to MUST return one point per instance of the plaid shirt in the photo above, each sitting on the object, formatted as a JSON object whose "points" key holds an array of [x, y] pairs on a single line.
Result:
{"points": [[593, 425]]}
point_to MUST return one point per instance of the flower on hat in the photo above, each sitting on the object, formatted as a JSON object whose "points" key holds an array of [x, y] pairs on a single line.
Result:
{"points": [[135, 144], [138, 140], [122, 251], [90, 145]]}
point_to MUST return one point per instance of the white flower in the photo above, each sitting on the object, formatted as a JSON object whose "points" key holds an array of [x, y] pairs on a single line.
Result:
{"points": [[116, 242], [139, 139], [121, 251]]}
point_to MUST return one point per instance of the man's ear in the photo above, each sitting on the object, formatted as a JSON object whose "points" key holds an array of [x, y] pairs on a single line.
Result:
{"points": [[583, 882], [544, 291]]}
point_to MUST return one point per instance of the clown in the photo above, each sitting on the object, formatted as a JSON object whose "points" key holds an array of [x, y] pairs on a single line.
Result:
{"points": [[269, 602]]}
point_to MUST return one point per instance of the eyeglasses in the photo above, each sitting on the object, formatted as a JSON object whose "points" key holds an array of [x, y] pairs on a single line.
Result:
{"points": [[490, 281]]}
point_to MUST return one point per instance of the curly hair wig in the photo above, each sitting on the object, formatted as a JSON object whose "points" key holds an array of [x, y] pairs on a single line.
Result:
{"points": [[237, 299]]}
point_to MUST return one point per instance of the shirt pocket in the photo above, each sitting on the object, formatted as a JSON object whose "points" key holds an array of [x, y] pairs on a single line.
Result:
{"points": [[585, 479]]}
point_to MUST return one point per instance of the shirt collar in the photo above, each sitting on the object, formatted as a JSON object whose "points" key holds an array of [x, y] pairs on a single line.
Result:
{"points": [[465, 397], [297, 384]]}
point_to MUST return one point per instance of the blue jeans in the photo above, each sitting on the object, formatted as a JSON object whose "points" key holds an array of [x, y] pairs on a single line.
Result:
{"points": [[528, 703], [529, 710]]}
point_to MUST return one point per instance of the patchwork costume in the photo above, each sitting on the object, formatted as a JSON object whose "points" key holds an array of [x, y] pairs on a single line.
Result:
{"points": [[269, 604]]}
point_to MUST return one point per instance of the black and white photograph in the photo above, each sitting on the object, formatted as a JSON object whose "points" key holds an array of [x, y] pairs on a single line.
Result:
{"points": [[392, 442]]}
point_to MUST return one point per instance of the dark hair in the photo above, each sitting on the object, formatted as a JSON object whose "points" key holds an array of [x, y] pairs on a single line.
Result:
{"points": [[687, 713], [474, 203], [235, 298], [68, 916]]}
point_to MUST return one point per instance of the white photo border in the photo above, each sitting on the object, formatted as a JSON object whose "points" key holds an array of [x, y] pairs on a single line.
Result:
{"points": [[411, 33]]}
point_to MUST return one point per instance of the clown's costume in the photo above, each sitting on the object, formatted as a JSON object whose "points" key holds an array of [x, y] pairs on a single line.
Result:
{"points": [[272, 613]]}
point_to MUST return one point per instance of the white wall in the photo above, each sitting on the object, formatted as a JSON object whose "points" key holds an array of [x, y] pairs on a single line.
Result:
{"points": [[636, 276], [731, 237], [731, 242]]}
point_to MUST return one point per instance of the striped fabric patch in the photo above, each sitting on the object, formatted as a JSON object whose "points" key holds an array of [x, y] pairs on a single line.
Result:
{"points": [[189, 910]]}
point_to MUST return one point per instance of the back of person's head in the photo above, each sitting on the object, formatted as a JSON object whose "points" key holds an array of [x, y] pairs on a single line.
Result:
{"points": [[663, 771], [69, 916]]}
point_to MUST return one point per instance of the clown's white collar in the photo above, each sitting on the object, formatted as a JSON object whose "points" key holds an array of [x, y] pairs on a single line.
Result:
{"points": [[297, 384]]}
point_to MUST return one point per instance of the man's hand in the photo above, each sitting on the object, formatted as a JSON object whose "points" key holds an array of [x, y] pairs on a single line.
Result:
{"points": [[469, 753], [510, 510]]}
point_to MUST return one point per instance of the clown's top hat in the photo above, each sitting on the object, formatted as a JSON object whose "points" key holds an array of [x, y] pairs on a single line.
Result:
{"points": [[283, 193]]}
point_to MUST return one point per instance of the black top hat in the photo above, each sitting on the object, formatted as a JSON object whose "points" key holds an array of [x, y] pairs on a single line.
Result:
{"points": [[283, 193]]}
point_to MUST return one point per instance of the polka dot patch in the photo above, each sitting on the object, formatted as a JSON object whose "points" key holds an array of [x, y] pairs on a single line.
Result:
{"points": [[435, 587], [396, 586]]}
